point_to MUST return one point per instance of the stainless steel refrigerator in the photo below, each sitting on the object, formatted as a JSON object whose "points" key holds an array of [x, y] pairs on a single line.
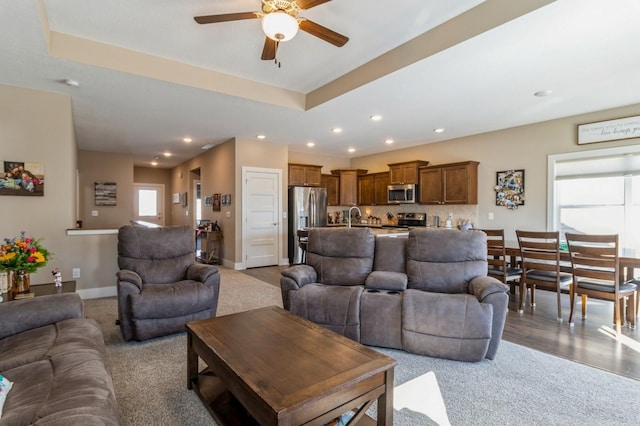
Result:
{"points": [[307, 209]]}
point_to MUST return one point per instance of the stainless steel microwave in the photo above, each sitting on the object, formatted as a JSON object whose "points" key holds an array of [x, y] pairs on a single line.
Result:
{"points": [[402, 194]]}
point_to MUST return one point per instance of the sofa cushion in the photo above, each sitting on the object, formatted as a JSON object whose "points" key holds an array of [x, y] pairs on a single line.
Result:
{"points": [[60, 376], [171, 300], [390, 254], [453, 326], [341, 256], [336, 308], [444, 261]]}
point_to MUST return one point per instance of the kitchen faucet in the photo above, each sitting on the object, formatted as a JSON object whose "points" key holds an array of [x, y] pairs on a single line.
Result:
{"points": [[349, 218]]}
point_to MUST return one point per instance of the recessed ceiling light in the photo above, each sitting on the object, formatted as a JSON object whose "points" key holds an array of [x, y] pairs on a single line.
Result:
{"points": [[187, 140], [438, 130], [261, 136], [167, 154], [542, 93], [336, 130], [388, 141], [351, 150], [376, 117], [72, 83], [154, 163], [311, 144]]}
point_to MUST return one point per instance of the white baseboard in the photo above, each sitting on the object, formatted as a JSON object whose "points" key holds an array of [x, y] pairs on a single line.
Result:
{"points": [[96, 293]]}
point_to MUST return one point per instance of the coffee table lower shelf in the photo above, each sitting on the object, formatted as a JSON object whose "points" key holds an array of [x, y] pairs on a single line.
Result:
{"points": [[226, 409]]}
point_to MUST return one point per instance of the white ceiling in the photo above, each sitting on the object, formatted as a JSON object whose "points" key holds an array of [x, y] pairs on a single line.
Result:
{"points": [[585, 51]]}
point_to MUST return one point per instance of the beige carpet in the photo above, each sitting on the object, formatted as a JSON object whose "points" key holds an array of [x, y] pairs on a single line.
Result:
{"points": [[150, 377], [520, 387]]}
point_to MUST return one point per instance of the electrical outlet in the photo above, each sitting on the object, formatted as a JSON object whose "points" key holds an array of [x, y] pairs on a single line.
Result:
{"points": [[490, 215], [76, 272], [94, 212]]}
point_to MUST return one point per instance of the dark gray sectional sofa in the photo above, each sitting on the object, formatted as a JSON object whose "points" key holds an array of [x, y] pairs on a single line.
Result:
{"points": [[57, 362], [428, 294]]}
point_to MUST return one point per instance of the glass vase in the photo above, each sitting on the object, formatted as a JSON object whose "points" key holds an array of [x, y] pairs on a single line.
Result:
{"points": [[20, 282]]}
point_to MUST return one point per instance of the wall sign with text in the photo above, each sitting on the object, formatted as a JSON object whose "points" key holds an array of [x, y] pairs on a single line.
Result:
{"points": [[610, 130]]}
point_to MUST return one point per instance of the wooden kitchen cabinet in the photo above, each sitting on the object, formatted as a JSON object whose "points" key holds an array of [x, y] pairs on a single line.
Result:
{"points": [[332, 184], [348, 185], [404, 173], [304, 175], [372, 189], [366, 191], [455, 183]]}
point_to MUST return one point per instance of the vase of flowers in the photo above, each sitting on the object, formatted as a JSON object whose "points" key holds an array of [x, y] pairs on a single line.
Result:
{"points": [[21, 256]]}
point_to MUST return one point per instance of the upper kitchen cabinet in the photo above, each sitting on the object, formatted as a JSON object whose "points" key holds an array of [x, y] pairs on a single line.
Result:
{"points": [[348, 185], [372, 189], [332, 184], [304, 175], [455, 183], [407, 172]]}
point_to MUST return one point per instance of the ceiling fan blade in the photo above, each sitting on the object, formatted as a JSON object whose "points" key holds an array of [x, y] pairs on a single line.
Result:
{"points": [[212, 19], [308, 4], [269, 49], [324, 33]]}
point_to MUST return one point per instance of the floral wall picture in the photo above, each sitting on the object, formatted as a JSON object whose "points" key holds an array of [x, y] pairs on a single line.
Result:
{"points": [[22, 178], [510, 188]]}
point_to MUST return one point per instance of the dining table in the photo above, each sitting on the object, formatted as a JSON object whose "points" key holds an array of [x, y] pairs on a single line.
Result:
{"points": [[628, 265]]}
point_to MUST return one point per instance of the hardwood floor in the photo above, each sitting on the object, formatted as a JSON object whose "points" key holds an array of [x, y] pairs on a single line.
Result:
{"points": [[591, 341]]}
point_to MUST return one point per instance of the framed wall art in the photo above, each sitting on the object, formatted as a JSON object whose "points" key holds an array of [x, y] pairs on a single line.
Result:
{"points": [[510, 188], [175, 198], [216, 202], [183, 199], [22, 178], [105, 193], [610, 130], [226, 200]]}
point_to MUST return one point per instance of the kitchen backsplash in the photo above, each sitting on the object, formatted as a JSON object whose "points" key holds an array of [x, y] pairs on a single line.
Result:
{"points": [[461, 213]]}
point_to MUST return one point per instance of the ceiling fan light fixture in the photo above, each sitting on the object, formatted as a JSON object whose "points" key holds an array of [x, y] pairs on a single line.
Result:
{"points": [[279, 26]]}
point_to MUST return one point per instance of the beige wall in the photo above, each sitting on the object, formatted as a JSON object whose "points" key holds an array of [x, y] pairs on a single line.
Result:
{"points": [[327, 162], [105, 167], [39, 127], [260, 154], [156, 176]]}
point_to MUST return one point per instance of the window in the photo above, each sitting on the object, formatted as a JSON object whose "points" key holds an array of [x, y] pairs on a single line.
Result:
{"points": [[597, 192]]}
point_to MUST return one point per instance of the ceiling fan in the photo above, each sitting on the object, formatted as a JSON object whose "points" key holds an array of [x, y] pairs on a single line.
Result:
{"points": [[280, 22]]}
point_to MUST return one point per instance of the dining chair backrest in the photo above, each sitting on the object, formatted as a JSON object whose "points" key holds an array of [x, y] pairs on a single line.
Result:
{"points": [[595, 257], [498, 266], [539, 250]]}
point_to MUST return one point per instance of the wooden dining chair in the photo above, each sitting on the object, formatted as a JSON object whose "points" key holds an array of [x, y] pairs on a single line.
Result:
{"points": [[499, 266], [596, 273], [303, 238], [540, 260]]}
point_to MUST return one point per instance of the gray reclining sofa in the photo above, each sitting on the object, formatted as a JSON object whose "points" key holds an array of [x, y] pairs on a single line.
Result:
{"points": [[428, 294], [57, 362]]}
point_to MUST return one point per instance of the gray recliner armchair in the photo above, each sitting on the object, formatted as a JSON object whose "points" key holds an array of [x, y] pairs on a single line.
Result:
{"points": [[160, 285]]}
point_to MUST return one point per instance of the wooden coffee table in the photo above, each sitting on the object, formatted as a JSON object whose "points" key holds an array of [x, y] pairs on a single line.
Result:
{"points": [[270, 367]]}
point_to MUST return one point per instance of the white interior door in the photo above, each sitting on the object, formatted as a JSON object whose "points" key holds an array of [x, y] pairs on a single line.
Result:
{"points": [[261, 216], [148, 203]]}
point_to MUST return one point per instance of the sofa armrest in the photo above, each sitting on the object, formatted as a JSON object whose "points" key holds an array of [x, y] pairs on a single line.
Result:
{"points": [[130, 277], [386, 280], [301, 274], [483, 287], [26, 314], [201, 272]]}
